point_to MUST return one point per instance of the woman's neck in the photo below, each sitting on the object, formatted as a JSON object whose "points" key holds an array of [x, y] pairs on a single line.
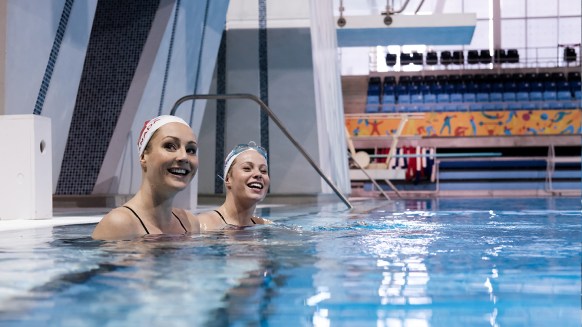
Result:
{"points": [[158, 209], [236, 213]]}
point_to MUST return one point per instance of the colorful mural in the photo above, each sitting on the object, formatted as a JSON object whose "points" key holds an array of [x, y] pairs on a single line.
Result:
{"points": [[475, 123]]}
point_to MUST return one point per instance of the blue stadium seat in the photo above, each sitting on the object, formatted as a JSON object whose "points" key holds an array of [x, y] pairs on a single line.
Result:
{"points": [[575, 86], [389, 99], [578, 95], [563, 86], [387, 108], [535, 96], [404, 98], [497, 87], [476, 107], [436, 89], [569, 104], [456, 97], [550, 95], [401, 89], [514, 106], [495, 97], [424, 89], [373, 99], [553, 105], [449, 88], [482, 97], [529, 106], [443, 98], [416, 98], [450, 107], [550, 86], [430, 98], [509, 96], [523, 86], [372, 108], [438, 107], [522, 96], [469, 97], [389, 88], [498, 106], [488, 106], [461, 88], [425, 108], [536, 87], [510, 87]]}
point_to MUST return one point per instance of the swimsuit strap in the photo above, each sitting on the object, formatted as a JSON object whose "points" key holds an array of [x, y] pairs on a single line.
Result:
{"points": [[180, 222], [130, 209], [228, 223], [221, 216]]}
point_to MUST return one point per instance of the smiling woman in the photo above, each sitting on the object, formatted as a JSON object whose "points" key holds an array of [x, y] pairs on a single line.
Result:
{"points": [[246, 177], [168, 158]]}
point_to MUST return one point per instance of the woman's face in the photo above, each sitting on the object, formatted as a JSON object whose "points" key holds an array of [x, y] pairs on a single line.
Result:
{"points": [[249, 176], [171, 156]]}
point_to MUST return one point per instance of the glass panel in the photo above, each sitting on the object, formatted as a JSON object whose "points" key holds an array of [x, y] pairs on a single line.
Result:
{"points": [[570, 8], [512, 8], [481, 36], [542, 32], [453, 6], [513, 33], [569, 30], [481, 8], [537, 8]]}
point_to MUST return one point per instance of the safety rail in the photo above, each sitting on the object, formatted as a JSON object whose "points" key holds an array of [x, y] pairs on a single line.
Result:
{"points": [[275, 119]]}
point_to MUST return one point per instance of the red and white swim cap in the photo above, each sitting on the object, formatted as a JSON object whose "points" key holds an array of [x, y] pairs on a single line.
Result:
{"points": [[152, 125]]}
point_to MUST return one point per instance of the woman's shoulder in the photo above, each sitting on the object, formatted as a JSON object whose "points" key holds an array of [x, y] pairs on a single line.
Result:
{"points": [[119, 223]]}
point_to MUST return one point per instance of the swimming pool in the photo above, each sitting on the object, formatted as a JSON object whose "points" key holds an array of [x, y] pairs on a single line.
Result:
{"points": [[442, 262]]}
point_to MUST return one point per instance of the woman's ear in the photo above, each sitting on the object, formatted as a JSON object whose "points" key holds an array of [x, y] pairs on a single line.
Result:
{"points": [[142, 162], [227, 180]]}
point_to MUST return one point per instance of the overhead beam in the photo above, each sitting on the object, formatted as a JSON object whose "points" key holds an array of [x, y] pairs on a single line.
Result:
{"points": [[435, 29]]}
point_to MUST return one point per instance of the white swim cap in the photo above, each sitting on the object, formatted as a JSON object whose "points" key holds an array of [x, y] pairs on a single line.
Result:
{"points": [[152, 125]]}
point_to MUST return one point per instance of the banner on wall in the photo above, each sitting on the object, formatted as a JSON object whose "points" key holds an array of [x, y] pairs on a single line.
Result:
{"points": [[477, 123]]}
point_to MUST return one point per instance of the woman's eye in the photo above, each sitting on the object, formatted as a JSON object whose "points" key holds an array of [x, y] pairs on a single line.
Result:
{"points": [[170, 146], [191, 151]]}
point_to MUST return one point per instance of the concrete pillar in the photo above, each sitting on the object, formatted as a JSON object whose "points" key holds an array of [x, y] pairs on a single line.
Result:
{"points": [[26, 174]]}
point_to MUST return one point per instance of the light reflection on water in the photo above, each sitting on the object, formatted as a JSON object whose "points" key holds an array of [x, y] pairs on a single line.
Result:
{"points": [[409, 263]]}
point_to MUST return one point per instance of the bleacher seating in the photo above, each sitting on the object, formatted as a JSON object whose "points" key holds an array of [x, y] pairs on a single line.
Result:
{"points": [[506, 91]]}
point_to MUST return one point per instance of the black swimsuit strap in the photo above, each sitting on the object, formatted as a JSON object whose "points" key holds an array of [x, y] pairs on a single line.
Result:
{"points": [[144, 227], [180, 222], [130, 209], [221, 216], [228, 223]]}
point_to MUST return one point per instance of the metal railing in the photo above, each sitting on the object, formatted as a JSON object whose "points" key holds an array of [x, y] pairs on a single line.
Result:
{"points": [[276, 120]]}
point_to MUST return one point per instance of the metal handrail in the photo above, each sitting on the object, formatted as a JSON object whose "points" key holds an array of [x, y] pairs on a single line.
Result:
{"points": [[269, 112]]}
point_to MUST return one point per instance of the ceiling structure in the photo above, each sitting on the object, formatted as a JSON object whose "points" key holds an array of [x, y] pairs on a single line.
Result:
{"points": [[365, 23]]}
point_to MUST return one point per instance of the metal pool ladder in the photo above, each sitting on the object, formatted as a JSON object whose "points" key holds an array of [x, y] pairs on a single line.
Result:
{"points": [[269, 112]]}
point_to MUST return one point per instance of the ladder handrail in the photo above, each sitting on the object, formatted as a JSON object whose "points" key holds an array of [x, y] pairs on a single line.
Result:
{"points": [[276, 120]]}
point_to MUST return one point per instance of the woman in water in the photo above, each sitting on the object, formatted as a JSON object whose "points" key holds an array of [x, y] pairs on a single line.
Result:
{"points": [[246, 178], [168, 159]]}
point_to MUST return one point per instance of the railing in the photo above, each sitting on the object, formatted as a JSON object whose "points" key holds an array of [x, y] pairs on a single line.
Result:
{"points": [[276, 120]]}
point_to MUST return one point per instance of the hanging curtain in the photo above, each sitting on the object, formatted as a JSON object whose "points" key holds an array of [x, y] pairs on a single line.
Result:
{"points": [[328, 96]]}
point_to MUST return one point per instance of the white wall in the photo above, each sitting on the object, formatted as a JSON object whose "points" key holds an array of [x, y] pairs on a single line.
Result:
{"points": [[181, 81], [31, 29]]}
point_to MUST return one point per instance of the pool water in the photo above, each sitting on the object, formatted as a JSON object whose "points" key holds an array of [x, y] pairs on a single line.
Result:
{"points": [[441, 262]]}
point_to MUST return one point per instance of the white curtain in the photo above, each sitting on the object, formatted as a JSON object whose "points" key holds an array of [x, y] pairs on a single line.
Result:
{"points": [[328, 96]]}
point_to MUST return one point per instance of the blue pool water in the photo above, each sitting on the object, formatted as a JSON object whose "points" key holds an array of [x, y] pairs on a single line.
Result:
{"points": [[408, 263]]}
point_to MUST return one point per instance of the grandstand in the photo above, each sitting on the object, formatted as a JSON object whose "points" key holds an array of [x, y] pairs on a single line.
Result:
{"points": [[500, 117]]}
